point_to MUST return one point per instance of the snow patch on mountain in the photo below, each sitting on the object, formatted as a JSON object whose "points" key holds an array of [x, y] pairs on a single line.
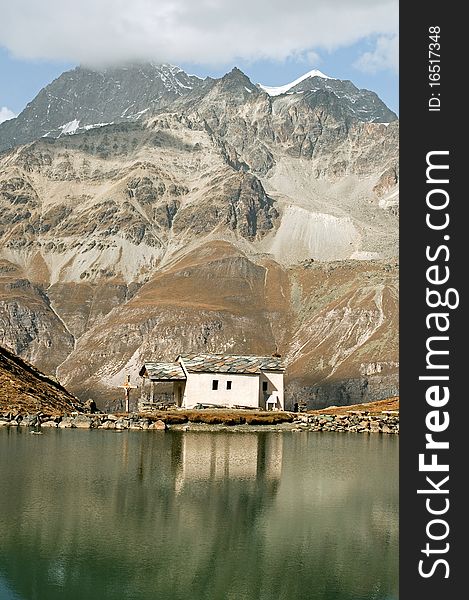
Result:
{"points": [[70, 127], [137, 115], [283, 89], [96, 125]]}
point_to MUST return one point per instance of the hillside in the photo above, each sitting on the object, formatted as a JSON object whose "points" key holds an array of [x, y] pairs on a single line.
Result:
{"points": [[25, 389]]}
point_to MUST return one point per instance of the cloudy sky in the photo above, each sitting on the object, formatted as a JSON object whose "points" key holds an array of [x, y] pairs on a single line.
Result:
{"points": [[272, 41]]}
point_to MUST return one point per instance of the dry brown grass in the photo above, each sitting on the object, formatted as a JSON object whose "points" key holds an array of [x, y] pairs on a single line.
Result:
{"points": [[221, 417], [371, 407]]}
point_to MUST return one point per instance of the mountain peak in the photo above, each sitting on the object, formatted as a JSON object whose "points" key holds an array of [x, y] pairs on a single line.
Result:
{"points": [[237, 75], [87, 97], [237, 80]]}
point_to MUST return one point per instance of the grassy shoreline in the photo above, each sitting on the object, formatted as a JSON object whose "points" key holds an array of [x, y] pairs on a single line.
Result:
{"points": [[381, 416]]}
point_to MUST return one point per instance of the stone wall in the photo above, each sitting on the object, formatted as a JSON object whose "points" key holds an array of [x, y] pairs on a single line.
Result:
{"points": [[81, 421], [353, 421]]}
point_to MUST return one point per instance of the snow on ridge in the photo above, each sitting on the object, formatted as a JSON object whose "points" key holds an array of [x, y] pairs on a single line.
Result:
{"points": [[137, 115], [283, 89], [95, 125]]}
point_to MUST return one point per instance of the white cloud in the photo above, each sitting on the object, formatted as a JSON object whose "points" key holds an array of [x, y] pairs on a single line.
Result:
{"points": [[384, 56], [207, 32], [6, 114], [313, 57]]}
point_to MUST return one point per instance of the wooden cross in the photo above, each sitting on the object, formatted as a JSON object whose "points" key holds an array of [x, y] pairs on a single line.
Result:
{"points": [[127, 387]]}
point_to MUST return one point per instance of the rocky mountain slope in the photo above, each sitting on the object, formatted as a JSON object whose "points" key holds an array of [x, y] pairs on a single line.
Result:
{"points": [[225, 218], [83, 99], [25, 389], [360, 104]]}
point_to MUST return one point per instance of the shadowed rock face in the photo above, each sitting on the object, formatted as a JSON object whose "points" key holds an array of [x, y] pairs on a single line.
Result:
{"points": [[222, 219]]}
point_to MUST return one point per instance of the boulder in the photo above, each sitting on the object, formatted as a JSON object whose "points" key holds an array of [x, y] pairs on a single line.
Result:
{"points": [[82, 422], [158, 425], [66, 422]]}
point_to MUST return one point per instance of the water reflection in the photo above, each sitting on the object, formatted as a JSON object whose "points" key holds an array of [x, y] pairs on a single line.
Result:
{"points": [[206, 456], [97, 515]]}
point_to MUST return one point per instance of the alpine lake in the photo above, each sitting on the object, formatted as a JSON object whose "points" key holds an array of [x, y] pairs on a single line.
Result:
{"points": [[175, 515]]}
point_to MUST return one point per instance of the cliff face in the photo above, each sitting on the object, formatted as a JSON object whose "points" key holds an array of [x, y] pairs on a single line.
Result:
{"points": [[25, 389], [221, 219]]}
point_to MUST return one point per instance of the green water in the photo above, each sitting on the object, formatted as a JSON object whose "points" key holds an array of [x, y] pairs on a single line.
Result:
{"points": [[97, 515]]}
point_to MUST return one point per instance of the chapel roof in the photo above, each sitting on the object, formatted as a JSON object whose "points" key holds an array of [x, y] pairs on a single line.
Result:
{"points": [[163, 371], [230, 363]]}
